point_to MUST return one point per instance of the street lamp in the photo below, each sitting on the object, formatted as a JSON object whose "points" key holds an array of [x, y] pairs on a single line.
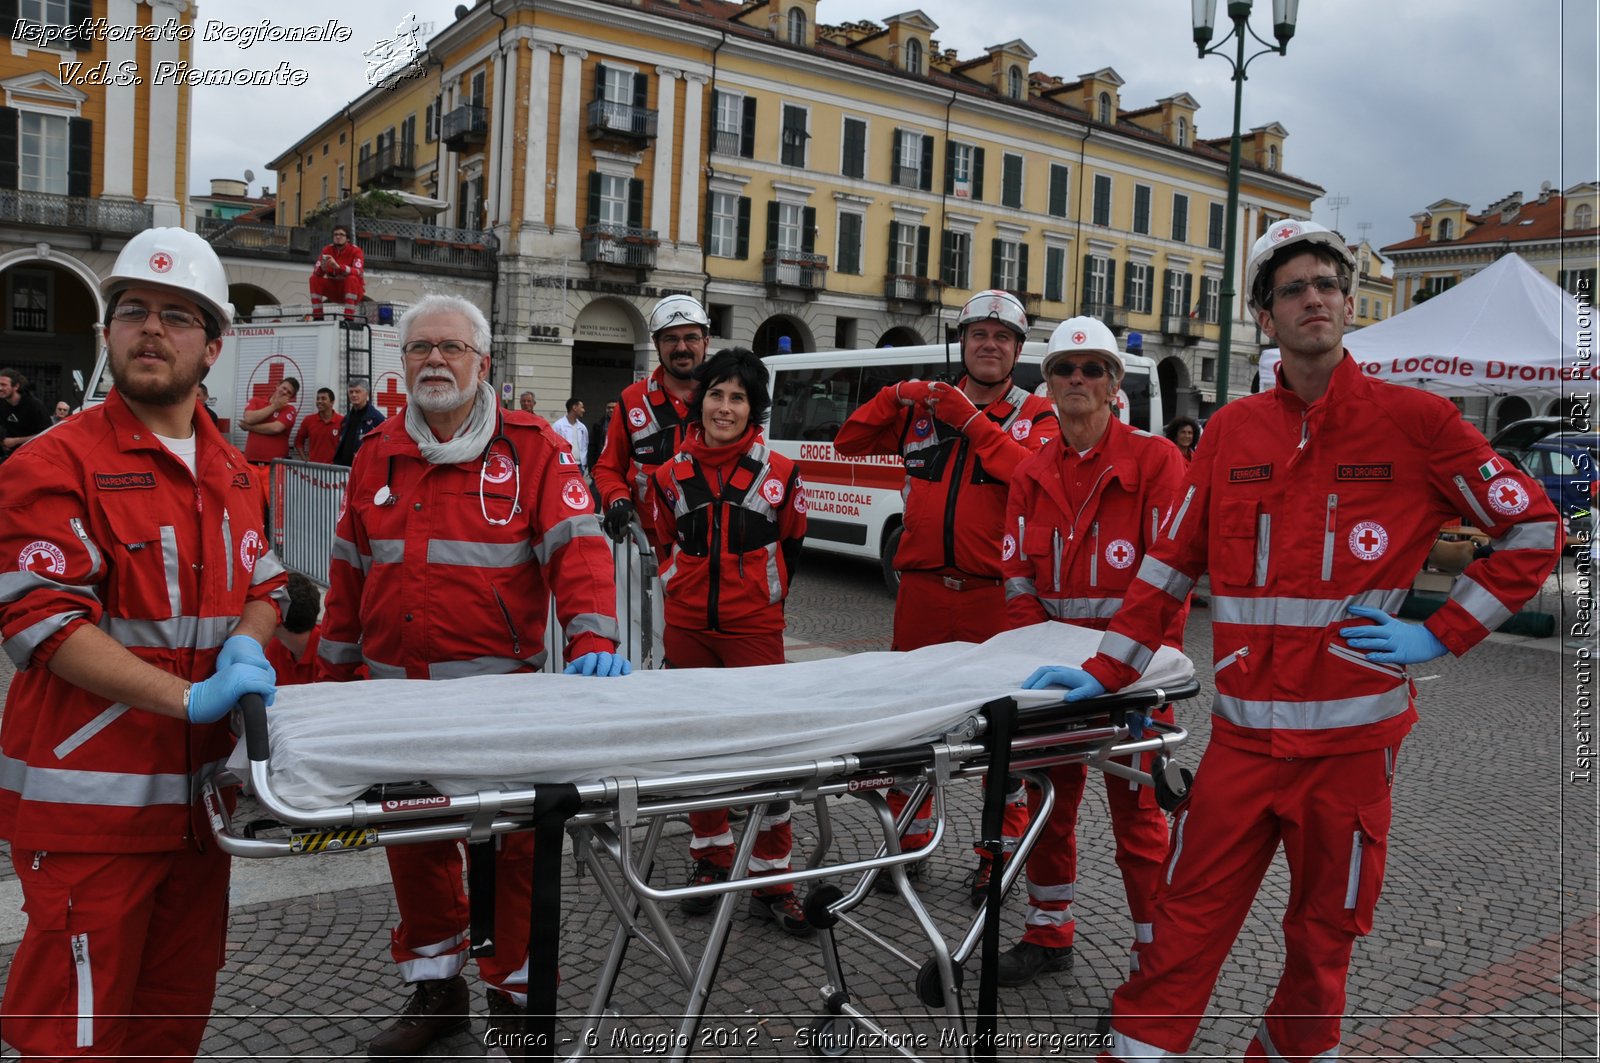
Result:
{"points": [[1284, 13]]}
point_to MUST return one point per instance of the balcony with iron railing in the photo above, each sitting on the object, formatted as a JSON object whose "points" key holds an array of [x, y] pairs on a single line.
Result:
{"points": [[800, 270], [604, 244], [608, 119], [906, 289], [1113, 316], [384, 242], [465, 126], [727, 142], [393, 165], [50, 211], [1181, 327], [1031, 302]]}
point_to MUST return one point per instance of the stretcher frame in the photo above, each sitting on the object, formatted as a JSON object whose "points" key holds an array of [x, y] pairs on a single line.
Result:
{"points": [[619, 823]]}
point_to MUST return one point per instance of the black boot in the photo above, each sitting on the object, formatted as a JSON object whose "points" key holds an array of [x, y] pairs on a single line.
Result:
{"points": [[1025, 961], [504, 1038], [437, 1008]]}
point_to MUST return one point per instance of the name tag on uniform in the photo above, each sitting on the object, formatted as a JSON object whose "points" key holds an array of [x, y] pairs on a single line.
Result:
{"points": [[1378, 471], [1245, 473]]}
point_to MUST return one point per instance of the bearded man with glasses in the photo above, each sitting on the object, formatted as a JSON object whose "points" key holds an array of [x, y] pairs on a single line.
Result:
{"points": [[1312, 505]]}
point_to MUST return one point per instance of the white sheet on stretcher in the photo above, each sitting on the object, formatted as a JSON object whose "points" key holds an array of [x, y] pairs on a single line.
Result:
{"points": [[332, 741]]}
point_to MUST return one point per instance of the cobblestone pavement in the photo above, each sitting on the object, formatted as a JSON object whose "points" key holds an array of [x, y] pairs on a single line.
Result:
{"points": [[1485, 945]]}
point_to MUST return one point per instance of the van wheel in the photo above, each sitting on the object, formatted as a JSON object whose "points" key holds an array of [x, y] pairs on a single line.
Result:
{"points": [[891, 544]]}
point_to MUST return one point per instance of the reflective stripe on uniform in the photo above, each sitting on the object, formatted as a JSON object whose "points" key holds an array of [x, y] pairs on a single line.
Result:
{"points": [[175, 633], [593, 624], [1476, 599], [66, 786], [563, 532], [20, 647], [1020, 587], [387, 551], [336, 652], [1081, 608], [478, 555], [1278, 714], [1300, 612], [1538, 535], [14, 585], [1120, 647], [1163, 577]]}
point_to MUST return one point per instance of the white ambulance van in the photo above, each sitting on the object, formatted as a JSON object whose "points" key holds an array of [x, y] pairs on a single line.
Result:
{"points": [[855, 504], [320, 354]]}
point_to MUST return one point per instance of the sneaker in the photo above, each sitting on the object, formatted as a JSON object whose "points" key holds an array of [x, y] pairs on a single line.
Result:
{"points": [[1024, 961], [504, 1036], [915, 873], [783, 909], [704, 873], [437, 1008], [978, 880]]}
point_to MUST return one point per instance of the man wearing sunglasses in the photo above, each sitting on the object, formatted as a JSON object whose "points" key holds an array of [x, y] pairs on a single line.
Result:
{"points": [[1081, 514], [138, 592], [961, 443], [461, 522], [652, 416], [1312, 505]]}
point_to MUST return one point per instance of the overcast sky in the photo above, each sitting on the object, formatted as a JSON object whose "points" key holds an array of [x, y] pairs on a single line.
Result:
{"points": [[1392, 104]]}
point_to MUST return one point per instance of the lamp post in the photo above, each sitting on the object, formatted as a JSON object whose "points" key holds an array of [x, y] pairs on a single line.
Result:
{"points": [[1284, 13]]}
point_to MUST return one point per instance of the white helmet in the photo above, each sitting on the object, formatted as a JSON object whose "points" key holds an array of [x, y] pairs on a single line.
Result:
{"points": [[997, 305], [1084, 334], [175, 259], [678, 310], [1287, 233]]}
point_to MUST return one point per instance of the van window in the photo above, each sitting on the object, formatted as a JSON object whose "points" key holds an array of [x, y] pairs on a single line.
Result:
{"points": [[812, 404]]}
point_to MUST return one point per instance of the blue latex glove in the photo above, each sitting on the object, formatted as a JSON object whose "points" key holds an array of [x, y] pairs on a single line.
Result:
{"points": [[1080, 685], [212, 699], [599, 664], [242, 649], [1395, 641]]}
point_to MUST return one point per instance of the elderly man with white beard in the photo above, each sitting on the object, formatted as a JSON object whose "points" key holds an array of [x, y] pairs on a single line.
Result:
{"points": [[460, 521]]}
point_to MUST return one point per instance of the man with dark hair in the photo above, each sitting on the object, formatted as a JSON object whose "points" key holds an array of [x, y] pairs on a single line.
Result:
{"points": [[597, 434], [574, 431], [361, 418], [268, 423], [293, 649], [21, 415], [339, 275], [205, 404], [318, 437]]}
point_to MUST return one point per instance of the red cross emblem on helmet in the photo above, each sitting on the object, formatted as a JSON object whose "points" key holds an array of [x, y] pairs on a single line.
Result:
{"points": [[1079, 336], [1286, 232], [160, 262]]}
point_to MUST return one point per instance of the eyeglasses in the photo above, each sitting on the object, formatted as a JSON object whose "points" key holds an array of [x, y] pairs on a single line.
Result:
{"points": [[1324, 285], [449, 348], [686, 339], [1090, 370], [135, 313]]}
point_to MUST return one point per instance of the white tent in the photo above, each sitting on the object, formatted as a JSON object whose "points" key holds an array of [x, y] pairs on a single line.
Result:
{"points": [[1505, 330]]}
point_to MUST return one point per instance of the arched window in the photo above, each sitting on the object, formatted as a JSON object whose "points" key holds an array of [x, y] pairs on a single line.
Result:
{"points": [[1105, 108], [1272, 157], [1014, 82], [1583, 216], [1447, 229], [797, 26], [914, 56], [1183, 132]]}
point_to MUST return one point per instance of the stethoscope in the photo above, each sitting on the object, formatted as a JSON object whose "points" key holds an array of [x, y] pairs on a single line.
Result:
{"points": [[387, 497]]}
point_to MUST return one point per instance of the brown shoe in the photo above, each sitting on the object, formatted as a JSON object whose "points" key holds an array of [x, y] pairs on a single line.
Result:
{"points": [[507, 1031], [437, 1008]]}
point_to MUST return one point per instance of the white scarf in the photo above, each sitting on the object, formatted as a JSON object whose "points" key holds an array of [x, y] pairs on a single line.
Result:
{"points": [[467, 443]]}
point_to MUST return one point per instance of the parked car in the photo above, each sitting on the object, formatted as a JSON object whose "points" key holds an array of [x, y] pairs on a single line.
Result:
{"points": [[1565, 461]]}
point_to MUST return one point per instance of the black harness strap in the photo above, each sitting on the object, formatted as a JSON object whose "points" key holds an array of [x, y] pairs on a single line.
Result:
{"points": [[552, 807], [480, 897], [1002, 716]]}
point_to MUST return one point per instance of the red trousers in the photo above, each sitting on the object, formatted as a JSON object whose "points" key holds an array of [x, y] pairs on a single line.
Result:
{"points": [[120, 955], [1140, 829], [346, 290], [431, 940], [1331, 815], [713, 839]]}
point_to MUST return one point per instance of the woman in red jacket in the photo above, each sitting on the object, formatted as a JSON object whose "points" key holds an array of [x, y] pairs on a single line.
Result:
{"points": [[731, 516]]}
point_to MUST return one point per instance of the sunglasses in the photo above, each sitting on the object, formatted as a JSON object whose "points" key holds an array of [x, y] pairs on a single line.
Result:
{"points": [[1090, 370]]}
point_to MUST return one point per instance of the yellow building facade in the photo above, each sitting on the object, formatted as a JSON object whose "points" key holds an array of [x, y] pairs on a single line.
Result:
{"points": [[817, 186]]}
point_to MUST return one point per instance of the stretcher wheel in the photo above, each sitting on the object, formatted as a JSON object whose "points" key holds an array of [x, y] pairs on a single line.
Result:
{"points": [[817, 904], [1171, 785], [930, 987], [830, 1037]]}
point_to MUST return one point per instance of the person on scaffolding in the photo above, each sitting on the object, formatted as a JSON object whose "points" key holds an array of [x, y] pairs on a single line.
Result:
{"points": [[338, 275]]}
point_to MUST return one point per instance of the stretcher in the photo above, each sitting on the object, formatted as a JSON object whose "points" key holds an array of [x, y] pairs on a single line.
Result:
{"points": [[358, 766]]}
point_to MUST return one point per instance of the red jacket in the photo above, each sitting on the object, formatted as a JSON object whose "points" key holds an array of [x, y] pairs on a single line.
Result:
{"points": [[427, 587], [100, 524], [294, 671], [734, 518], [350, 262], [320, 438], [264, 448], [1299, 510], [955, 484], [647, 428], [1074, 565]]}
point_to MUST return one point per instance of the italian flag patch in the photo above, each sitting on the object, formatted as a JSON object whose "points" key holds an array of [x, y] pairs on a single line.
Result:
{"points": [[1491, 468]]}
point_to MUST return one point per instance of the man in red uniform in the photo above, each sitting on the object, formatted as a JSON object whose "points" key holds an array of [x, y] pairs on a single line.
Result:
{"points": [[338, 275], [269, 423], [1081, 513], [461, 522], [653, 416], [1312, 505], [733, 516], [960, 443], [292, 652], [136, 590], [318, 436]]}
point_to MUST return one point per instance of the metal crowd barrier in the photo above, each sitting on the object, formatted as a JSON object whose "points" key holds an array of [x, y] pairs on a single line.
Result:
{"points": [[305, 511], [639, 607]]}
